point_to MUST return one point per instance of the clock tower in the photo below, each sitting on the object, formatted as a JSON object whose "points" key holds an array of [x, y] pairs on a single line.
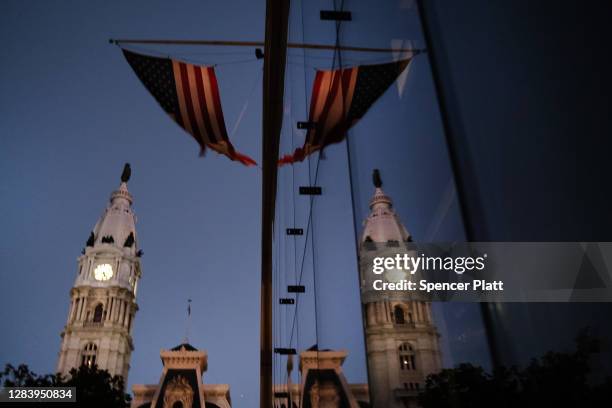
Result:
{"points": [[103, 297]]}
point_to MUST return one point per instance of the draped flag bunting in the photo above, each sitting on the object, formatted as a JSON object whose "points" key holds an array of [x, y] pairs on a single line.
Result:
{"points": [[339, 99], [190, 95]]}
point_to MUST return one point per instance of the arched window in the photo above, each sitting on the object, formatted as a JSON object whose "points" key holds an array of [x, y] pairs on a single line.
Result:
{"points": [[98, 311], [88, 356], [407, 357], [398, 313]]}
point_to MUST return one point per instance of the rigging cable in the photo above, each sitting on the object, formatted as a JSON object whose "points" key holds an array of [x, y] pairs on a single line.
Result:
{"points": [[246, 105], [310, 225], [184, 57], [293, 198]]}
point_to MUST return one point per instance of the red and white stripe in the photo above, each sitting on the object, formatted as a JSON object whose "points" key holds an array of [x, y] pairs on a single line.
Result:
{"points": [[199, 104], [200, 109], [332, 94]]}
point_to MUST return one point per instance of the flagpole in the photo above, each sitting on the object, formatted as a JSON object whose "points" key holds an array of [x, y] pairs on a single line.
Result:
{"points": [[230, 43], [275, 54], [188, 325]]}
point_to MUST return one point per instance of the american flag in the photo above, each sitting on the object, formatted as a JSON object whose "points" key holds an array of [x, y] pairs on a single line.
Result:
{"points": [[190, 95], [339, 99]]}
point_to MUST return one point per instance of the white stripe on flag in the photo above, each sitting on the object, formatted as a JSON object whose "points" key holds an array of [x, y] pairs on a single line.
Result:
{"points": [[212, 109], [181, 96], [193, 87]]}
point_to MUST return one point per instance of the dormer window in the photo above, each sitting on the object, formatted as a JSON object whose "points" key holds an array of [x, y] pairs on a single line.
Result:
{"points": [[91, 240], [129, 241], [108, 239]]}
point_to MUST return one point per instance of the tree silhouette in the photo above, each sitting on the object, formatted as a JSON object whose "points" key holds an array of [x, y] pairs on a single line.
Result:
{"points": [[553, 380], [94, 387], [23, 377]]}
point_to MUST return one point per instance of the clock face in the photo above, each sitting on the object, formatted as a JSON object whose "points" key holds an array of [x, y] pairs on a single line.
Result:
{"points": [[103, 272]]}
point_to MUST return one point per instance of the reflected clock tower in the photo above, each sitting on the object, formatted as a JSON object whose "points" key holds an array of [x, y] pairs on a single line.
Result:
{"points": [[103, 297], [402, 341]]}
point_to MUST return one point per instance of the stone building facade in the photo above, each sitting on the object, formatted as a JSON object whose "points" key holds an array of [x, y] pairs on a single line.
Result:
{"points": [[181, 384]]}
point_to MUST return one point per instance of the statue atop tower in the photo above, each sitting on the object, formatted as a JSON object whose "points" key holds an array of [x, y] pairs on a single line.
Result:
{"points": [[383, 224], [127, 172], [103, 297], [376, 178]]}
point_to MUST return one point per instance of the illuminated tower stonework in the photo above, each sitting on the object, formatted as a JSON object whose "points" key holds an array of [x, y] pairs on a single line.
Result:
{"points": [[401, 338], [103, 297]]}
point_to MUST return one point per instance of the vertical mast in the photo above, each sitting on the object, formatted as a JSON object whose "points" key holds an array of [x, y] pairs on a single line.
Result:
{"points": [[275, 52]]}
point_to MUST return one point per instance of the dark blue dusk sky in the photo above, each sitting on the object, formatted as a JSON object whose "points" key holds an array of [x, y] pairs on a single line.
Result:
{"points": [[72, 112]]}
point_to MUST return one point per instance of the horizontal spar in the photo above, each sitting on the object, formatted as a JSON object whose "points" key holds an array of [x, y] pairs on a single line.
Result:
{"points": [[260, 44]]}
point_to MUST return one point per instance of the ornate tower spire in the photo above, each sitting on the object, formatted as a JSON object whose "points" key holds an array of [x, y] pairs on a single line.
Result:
{"points": [[117, 226], [383, 224], [103, 297]]}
